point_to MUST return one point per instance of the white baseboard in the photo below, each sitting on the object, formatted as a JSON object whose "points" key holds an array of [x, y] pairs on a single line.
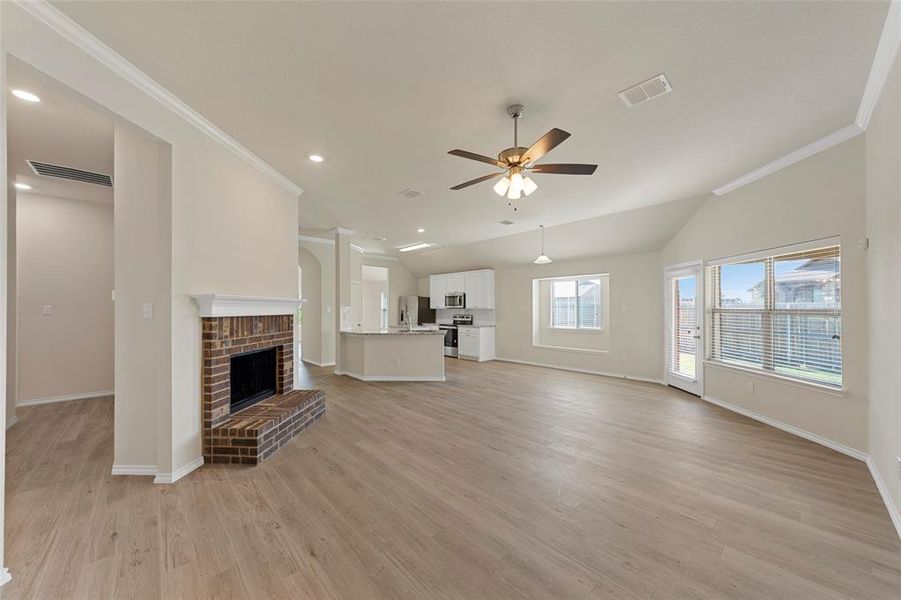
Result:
{"points": [[9, 423], [813, 437], [313, 362], [576, 370], [5, 576], [387, 377], [134, 470], [52, 399], [179, 473], [886, 498]]}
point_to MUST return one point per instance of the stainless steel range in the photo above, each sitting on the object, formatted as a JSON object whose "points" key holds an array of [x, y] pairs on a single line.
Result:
{"points": [[450, 334]]}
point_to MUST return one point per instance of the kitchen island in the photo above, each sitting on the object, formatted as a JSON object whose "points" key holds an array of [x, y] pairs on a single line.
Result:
{"points": [[393, 354]]}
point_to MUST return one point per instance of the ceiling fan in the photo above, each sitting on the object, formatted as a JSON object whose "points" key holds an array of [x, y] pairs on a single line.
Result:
{"points": [[517, 162]]}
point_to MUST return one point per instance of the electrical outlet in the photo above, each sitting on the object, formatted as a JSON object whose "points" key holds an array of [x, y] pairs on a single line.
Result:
{"points": [[622, 358], [750, 387], [148, 311], [396, 362], [47, 310]]}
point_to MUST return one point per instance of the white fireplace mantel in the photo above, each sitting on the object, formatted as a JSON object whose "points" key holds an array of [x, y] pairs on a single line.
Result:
{"points": [[218, 305]]}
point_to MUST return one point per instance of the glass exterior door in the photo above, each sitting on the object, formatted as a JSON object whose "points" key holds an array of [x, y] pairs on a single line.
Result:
{"points": [[684, 323]]}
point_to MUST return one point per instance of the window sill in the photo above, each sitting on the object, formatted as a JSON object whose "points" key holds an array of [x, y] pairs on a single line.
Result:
{"points": [[809, 385], [577, 329], [568, 349]]}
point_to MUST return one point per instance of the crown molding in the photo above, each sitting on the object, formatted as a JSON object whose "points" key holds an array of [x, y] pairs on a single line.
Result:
{"points": [[834, 138], [56, 20], [217, 305], [342, 231], [886, 52], [316, 240]]}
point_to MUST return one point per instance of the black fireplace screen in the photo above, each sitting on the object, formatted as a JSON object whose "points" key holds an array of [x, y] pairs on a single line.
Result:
{"points": [[252, 378]]}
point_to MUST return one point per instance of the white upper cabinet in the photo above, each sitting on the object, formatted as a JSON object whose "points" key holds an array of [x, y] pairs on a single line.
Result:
{"points": [[437, 290], [477, 285], [456, 283], [479, 288]]}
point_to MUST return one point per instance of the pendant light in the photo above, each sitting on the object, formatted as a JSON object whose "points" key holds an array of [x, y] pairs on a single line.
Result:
{"points": [[543, 259]]}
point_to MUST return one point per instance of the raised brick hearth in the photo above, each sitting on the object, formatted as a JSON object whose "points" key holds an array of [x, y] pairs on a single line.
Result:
{"points": [[252, 434]]}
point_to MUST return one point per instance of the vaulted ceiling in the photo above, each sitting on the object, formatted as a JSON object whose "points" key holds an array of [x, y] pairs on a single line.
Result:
{"points": [[384, 90]]}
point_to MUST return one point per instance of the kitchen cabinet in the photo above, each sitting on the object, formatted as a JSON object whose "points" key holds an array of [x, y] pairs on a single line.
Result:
{"points": [[479, 289], [437, 290], [477, 285], [475, 343], [456, 283]]}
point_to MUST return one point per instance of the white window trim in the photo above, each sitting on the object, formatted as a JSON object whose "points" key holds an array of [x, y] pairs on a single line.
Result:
{"points": [[576, 279], [568, 349], [766, 373]]}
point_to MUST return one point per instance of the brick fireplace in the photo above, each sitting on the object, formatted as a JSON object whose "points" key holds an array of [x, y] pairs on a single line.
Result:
{"points": [[258, 427]]}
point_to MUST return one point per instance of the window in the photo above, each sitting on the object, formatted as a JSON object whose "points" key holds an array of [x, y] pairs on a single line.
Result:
{"points": [[779, 313], [576, 303]]}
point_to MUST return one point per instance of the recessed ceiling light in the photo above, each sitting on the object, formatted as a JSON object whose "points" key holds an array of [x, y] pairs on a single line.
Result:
{"points": [[22, 186], [420, 230], [316, 158], [419, 246], [26, 96]]}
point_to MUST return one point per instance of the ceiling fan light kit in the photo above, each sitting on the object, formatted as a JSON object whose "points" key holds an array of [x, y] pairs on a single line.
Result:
{"points": [[518, 161]]}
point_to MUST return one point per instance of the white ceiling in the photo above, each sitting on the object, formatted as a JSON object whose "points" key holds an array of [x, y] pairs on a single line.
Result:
{"points": [[58, 130], [384, 90], [630, 232]]}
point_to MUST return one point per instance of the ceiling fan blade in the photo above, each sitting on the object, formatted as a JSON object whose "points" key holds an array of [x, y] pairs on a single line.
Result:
{"points": [[478, 157], [565, 169], [545, 144], [476, 180]]}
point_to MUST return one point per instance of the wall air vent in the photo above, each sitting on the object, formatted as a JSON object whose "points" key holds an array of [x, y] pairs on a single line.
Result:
{"points": [[644, 91], [48, 170], [410, 193]]}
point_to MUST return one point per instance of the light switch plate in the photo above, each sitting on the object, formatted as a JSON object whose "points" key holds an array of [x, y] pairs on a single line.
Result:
{"points": [[47, 310]]}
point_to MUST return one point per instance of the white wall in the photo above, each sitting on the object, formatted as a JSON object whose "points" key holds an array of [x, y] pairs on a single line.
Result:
{"points": [[543, 334], [311, 325], [820, 197], [6, 189], [233, 228], [883, 148], [11, 314], [635, 316], [401, 282], [142, 367], [324, 255], [65, 259]]}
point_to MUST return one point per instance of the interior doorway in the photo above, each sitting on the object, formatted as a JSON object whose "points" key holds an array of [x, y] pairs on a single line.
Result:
{"points": [[60, 269], [374, 297], [684, 346]]}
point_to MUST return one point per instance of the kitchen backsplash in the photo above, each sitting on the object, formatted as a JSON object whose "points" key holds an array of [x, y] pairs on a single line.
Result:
{"points": [[480, 316]]}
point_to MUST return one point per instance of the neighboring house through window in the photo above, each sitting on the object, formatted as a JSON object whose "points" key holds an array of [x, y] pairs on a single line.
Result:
{"points": [[779, 312]]}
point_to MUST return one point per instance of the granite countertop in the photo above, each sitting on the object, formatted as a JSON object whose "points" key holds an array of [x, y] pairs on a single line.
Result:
{"points": [[394, 331]]}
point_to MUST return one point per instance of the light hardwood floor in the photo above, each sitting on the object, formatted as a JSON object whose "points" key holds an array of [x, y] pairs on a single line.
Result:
{"points": [[508, 481]]}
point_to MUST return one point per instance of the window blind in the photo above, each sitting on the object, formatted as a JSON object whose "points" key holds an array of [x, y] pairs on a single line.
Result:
{"points": [[779, 313], [576, 303]]}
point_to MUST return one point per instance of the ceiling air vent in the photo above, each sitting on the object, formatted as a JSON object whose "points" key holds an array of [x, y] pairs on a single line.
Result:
{"points": [[644, 91], [48, 170], [506, 222], [410, 193]]}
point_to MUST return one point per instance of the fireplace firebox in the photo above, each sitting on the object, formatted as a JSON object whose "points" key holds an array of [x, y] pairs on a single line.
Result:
{"points": [[253, 378]]}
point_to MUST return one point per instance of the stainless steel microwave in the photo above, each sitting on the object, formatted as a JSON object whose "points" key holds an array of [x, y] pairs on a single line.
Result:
{"points": [[455, 300]]}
